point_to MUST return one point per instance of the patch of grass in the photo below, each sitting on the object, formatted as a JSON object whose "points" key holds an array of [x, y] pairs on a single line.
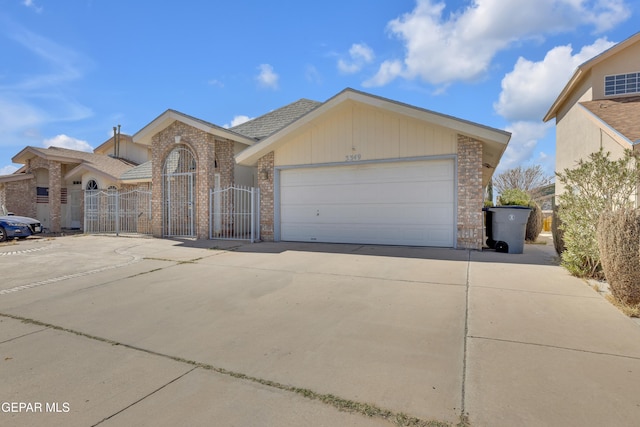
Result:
{"points": [[628, 310]]}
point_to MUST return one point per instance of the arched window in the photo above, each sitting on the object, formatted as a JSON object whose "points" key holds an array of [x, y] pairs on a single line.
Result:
{"points": [[92, 185]]}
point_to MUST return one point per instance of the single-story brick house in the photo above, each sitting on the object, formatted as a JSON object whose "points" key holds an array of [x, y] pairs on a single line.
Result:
{"points": [[360, 168], [357, 168]]}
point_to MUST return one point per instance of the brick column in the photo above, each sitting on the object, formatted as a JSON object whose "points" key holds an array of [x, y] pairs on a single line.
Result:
{"points": [[55, 186], [470, 194], [266, 164]]}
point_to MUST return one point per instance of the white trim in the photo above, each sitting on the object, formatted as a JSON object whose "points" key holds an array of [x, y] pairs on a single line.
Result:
{"points": [[143, 136]]}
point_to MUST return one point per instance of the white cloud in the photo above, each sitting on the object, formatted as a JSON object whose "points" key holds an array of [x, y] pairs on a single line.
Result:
{"points": [[267, 77], [524, 139], [215, 82], [461, 45], [237, 120], [32, 101], [313, 75], [30, 4], [359, 55], [65, 141], [388, 71], [529, 90], [7, 170]]}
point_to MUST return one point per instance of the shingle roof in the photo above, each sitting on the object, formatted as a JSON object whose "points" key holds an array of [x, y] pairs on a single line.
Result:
{"points": [[105, 164], [143, 171], [275, 120], [622, 114]]}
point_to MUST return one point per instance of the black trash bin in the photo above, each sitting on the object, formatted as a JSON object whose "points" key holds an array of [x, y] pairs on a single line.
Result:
{"points": [[506, 228]]}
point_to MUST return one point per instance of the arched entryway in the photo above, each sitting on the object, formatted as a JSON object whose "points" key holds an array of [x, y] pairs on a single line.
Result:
{"points": [[178, 183]]}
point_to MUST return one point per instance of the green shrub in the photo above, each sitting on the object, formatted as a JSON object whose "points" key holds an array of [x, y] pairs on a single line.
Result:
{"points": [[557, 233], [514, 197], [619, 245], [596, 185], [534, 224]]}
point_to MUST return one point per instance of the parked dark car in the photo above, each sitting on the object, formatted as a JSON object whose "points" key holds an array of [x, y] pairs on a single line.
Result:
{"points": [[18, 227]]}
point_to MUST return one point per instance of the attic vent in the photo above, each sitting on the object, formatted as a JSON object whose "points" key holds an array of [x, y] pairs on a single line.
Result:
{"points": [[77, 182]]}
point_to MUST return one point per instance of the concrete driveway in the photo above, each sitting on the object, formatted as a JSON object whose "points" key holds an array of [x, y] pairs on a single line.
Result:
{"points": [[132, 331]]}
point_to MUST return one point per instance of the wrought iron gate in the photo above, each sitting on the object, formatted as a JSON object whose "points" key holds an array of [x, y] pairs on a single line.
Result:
{"points": [[117, 212], [177, 192], [234, 213]]}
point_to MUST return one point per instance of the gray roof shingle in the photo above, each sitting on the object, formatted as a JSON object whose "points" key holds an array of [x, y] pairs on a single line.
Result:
{"points": [[620, 113], [265, 125], [142, 171], [106, 164]]}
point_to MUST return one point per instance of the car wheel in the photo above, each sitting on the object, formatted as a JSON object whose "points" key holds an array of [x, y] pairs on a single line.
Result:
{"points": [[3, 235]]}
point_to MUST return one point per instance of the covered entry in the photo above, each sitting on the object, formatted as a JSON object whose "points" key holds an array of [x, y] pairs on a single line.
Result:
{"points": [[178, 181], [391, 203]]}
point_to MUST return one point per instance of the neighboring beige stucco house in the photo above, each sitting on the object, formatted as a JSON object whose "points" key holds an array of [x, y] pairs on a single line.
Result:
{"points": [[599, 107], [357, 168]]}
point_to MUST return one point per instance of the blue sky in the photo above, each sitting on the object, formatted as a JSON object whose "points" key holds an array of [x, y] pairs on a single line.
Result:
{"points": [[71, 70]]}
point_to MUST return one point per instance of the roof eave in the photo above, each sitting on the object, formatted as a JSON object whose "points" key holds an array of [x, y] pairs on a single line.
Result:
{"points": [[16, 177], [143, 136], [618, 137], [484, 133], [87, 168]]}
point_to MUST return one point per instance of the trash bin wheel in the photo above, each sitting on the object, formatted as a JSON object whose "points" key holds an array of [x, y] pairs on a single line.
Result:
{"points": [[502, 247]]}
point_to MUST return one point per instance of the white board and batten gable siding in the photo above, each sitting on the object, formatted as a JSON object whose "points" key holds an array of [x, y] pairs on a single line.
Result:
{"points": [[360, 174], [357, 132]]}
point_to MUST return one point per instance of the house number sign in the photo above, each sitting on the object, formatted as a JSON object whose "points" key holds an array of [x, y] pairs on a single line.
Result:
{"points": [[352, 157]]}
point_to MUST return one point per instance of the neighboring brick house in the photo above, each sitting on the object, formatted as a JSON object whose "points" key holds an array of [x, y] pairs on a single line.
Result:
{"points": [[599, 107], [50, 184], [357, 168]]}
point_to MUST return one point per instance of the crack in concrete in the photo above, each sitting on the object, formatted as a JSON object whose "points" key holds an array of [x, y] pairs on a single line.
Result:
{"points": [[557, 347]]}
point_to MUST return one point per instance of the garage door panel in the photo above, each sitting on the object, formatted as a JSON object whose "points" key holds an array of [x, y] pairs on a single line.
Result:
{"points": [[410, 214], [371, 173], [397, 192], [402, 203], [365, 234]]}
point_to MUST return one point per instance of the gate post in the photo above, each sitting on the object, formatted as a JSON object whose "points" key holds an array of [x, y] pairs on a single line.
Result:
{"points": [[117, 212]]}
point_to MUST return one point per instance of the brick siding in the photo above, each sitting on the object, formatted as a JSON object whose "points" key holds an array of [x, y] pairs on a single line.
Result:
{"points": [[206, 150], [470, 194], [266, 165]]}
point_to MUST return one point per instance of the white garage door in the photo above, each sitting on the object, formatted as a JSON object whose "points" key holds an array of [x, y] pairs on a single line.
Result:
{"points": [[400, 203]]}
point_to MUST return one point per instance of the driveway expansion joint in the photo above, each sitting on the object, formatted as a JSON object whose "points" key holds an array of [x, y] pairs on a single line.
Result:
{"points": [[345, 405], [145, 396], [24, 335], [134, 259]]}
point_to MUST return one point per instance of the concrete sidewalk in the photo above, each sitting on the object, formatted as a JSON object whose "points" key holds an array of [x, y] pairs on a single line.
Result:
{"points": [[162, 332]]}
